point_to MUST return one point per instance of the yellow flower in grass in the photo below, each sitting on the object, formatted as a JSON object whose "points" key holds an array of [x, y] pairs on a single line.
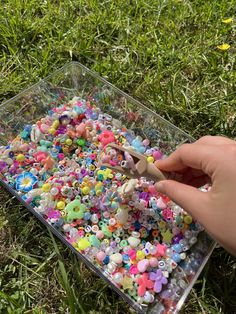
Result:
{"points": [[223, 47], [227, 21]]}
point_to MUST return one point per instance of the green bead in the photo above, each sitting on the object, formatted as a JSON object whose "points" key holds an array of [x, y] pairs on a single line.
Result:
{"points": [[123, 243], [101, 223], [83, 244], [132, 292], [81, 142], [43, 148], [94, 241], [75, 210], [106, 231]]}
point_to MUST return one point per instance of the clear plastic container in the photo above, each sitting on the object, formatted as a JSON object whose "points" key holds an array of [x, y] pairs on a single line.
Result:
{"points": [[61, 86]]}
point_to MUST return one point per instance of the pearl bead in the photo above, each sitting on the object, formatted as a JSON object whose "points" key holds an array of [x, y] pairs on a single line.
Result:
{"points": [[111, 267], [188, 234], [153, 262], [118, 277], [140, 300], [54, 191], [109, 250], [193, 240], [94, 218], [34, 171]]}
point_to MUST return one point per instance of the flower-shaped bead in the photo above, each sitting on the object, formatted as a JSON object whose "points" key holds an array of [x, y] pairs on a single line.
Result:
{"points": [[159, 280], [25, 182], [112, 200], [106, 137], [144, 283], [74, 210]]}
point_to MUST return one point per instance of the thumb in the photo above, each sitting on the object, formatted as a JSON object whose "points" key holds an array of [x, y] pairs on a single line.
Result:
{"points": [[189, 198]]}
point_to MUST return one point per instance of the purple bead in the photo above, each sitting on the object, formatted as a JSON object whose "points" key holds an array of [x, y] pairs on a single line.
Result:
{"points": [[2, 165], [144, 196], [83, 172], [177, 238], [61, 129], [113, 244]]}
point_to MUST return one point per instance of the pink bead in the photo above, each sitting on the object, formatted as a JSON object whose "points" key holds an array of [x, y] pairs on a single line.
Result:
{"points": [[106, 214], [132, 254], [157, 155], [44, 128], [133, 270], [152, 190], [60, 156], [175, 231], [24, 147], [143, 265], [161, 204], [146, 142], [80, 129], [100, 256], [106, 137], [99, 234], [40, 156], [153, 261]]}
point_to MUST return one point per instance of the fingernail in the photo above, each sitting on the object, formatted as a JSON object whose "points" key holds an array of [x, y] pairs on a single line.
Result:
{"points": [[159, 186]]}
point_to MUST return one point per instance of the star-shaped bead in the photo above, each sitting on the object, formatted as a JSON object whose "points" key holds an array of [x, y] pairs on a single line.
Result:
{"points": [[167, 236], [161, 249], [127, 283]]}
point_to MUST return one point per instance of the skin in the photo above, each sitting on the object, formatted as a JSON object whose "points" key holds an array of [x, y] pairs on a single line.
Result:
{"points": [[210, 159]]}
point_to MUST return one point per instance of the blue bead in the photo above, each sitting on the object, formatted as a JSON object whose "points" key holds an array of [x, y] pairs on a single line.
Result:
{"points": [[177, 248], [125, 257], [137, 226], [106, 260], [176, 257], [87, 216]]}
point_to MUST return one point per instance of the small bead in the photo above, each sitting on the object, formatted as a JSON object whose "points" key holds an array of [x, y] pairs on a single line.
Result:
{"points": [[61, 205]]}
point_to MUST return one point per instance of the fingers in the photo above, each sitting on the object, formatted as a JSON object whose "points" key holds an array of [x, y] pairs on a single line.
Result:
{"points": [[214, 140], [199, 156], [189, 198]]}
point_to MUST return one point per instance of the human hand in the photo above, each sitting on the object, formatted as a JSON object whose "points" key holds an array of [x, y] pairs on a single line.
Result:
{"points": [[210, 159]]}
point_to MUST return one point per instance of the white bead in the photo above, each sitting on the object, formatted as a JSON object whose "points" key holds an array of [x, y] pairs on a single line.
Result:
{"points": [[118, 277], [134, 242], [109, 250], [116, 258], [54, 191], [111, 267]]}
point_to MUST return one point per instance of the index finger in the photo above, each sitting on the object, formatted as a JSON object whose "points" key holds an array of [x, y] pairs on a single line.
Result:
{"points": [[190, 155]]}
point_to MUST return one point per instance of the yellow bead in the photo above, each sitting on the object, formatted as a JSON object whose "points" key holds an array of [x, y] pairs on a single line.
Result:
{"points": [[46, 187], [150, 159], [61, 205], [162, 224], [65, 150], [69, 142], [98, 186], [188, 220], [51, 131], [85, 190], [55, 124], [20, 157], [83, 244], [140, 255], [98, 192]]}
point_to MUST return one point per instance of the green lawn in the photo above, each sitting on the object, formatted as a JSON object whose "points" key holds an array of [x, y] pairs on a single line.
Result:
{"points": [[166, 54]]}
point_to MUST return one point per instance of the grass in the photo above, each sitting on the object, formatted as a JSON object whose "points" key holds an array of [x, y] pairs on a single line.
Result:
{"points": [[163, 53]]}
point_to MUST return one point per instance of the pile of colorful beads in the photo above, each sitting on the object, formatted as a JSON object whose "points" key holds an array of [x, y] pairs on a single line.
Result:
{"points": [[122, 225]]}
